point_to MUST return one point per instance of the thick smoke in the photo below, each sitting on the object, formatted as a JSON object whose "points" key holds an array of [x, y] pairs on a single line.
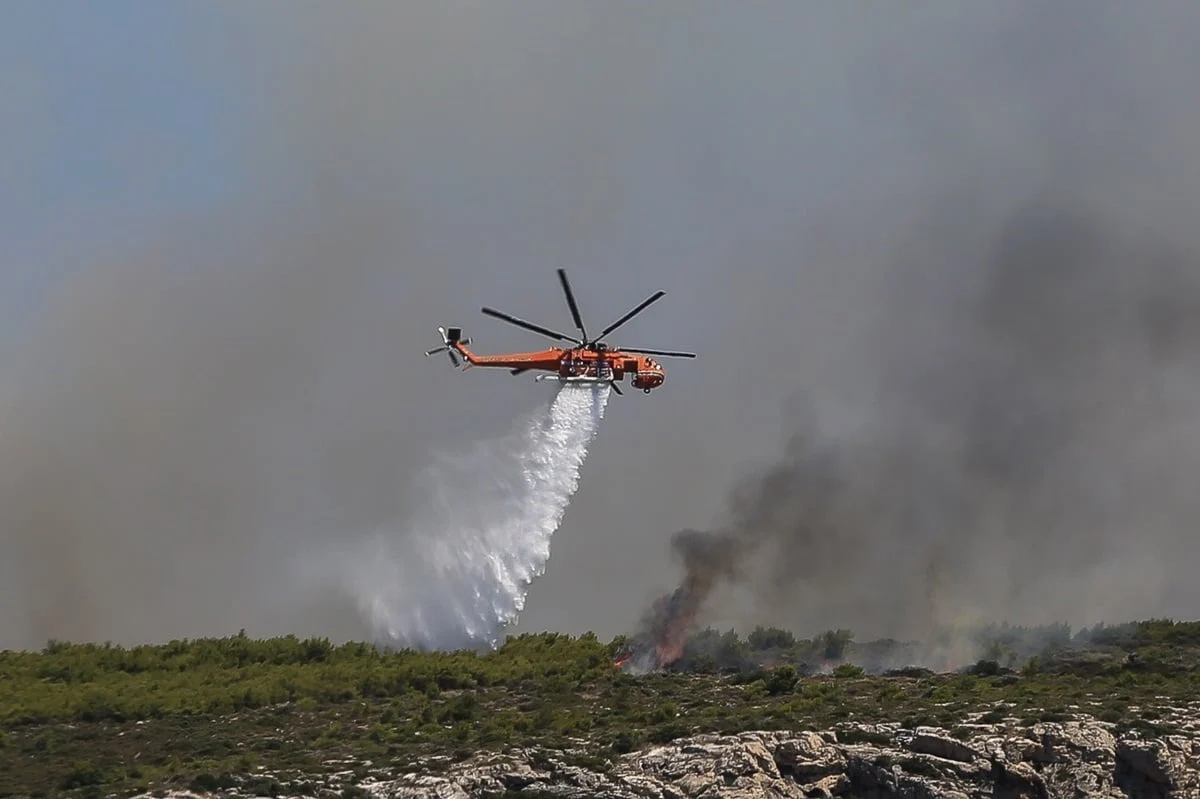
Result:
{"points": [[1032, 460], [960, 238]]}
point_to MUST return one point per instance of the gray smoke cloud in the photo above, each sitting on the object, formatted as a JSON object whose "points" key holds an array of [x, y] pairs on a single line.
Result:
{"points": [[877, 213], [1032, 462], [999, 428]]}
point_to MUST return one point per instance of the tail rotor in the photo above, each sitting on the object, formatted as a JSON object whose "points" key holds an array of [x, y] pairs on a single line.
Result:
{"points": [[449, 339]]}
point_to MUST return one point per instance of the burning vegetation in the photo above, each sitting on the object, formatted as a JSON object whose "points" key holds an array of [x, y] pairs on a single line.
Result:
{"points": [[707, 651], [707, 557], [679, 649], [989, 473]]}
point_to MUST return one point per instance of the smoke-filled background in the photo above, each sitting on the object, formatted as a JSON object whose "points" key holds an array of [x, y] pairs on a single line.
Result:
{"points": [[953, 244]]}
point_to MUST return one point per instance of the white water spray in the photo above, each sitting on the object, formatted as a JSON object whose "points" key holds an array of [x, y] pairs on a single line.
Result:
{"points": [[460, 572]]}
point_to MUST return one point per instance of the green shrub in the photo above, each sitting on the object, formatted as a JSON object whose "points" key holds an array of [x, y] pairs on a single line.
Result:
{"points": [[848, 671], [984, 668], [781, 680]]}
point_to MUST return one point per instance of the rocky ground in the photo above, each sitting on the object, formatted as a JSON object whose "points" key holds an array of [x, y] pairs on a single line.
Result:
{"points": [[1081, 757]]}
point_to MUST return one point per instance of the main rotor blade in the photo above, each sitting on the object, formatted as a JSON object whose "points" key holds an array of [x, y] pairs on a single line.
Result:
{"points": [[562, 277], [617, 388], [667, 353], [652, 298], [545, 331]]}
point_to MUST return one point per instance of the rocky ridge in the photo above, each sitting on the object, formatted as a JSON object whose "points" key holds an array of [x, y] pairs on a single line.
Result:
{"points": [[1078, 758], [1081, 757]]}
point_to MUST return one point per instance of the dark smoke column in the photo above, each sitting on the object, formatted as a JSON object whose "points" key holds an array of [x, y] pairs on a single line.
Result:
{"points": [[707, 559]]}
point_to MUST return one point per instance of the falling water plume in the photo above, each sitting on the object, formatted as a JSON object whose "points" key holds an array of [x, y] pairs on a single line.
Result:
{"points": [[481, 533]]}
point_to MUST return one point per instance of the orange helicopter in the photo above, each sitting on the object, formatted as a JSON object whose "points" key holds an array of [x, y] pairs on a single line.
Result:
{"points": [[588, 361]]}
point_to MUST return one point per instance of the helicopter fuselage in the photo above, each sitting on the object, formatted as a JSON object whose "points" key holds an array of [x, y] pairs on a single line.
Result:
{"points": [[576, 365]]}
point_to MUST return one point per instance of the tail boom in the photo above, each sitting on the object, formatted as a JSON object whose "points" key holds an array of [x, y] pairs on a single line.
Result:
{"points": [[453, 343]]}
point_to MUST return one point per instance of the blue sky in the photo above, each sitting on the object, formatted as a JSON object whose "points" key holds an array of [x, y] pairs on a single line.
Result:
{"points": [[118, 117]]}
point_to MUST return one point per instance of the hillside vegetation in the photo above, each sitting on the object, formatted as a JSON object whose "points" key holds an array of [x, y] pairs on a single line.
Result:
{"points": [[99, 719]]}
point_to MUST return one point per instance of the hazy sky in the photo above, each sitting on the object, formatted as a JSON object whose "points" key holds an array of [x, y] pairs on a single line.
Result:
{"points": [[231, 229]]}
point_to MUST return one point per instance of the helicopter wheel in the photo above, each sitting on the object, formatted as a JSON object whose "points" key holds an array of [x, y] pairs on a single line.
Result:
{"points": [[646, 390]]}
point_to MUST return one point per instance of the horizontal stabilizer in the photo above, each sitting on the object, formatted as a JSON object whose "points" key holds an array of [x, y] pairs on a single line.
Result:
{"points": [[450, 337]]}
